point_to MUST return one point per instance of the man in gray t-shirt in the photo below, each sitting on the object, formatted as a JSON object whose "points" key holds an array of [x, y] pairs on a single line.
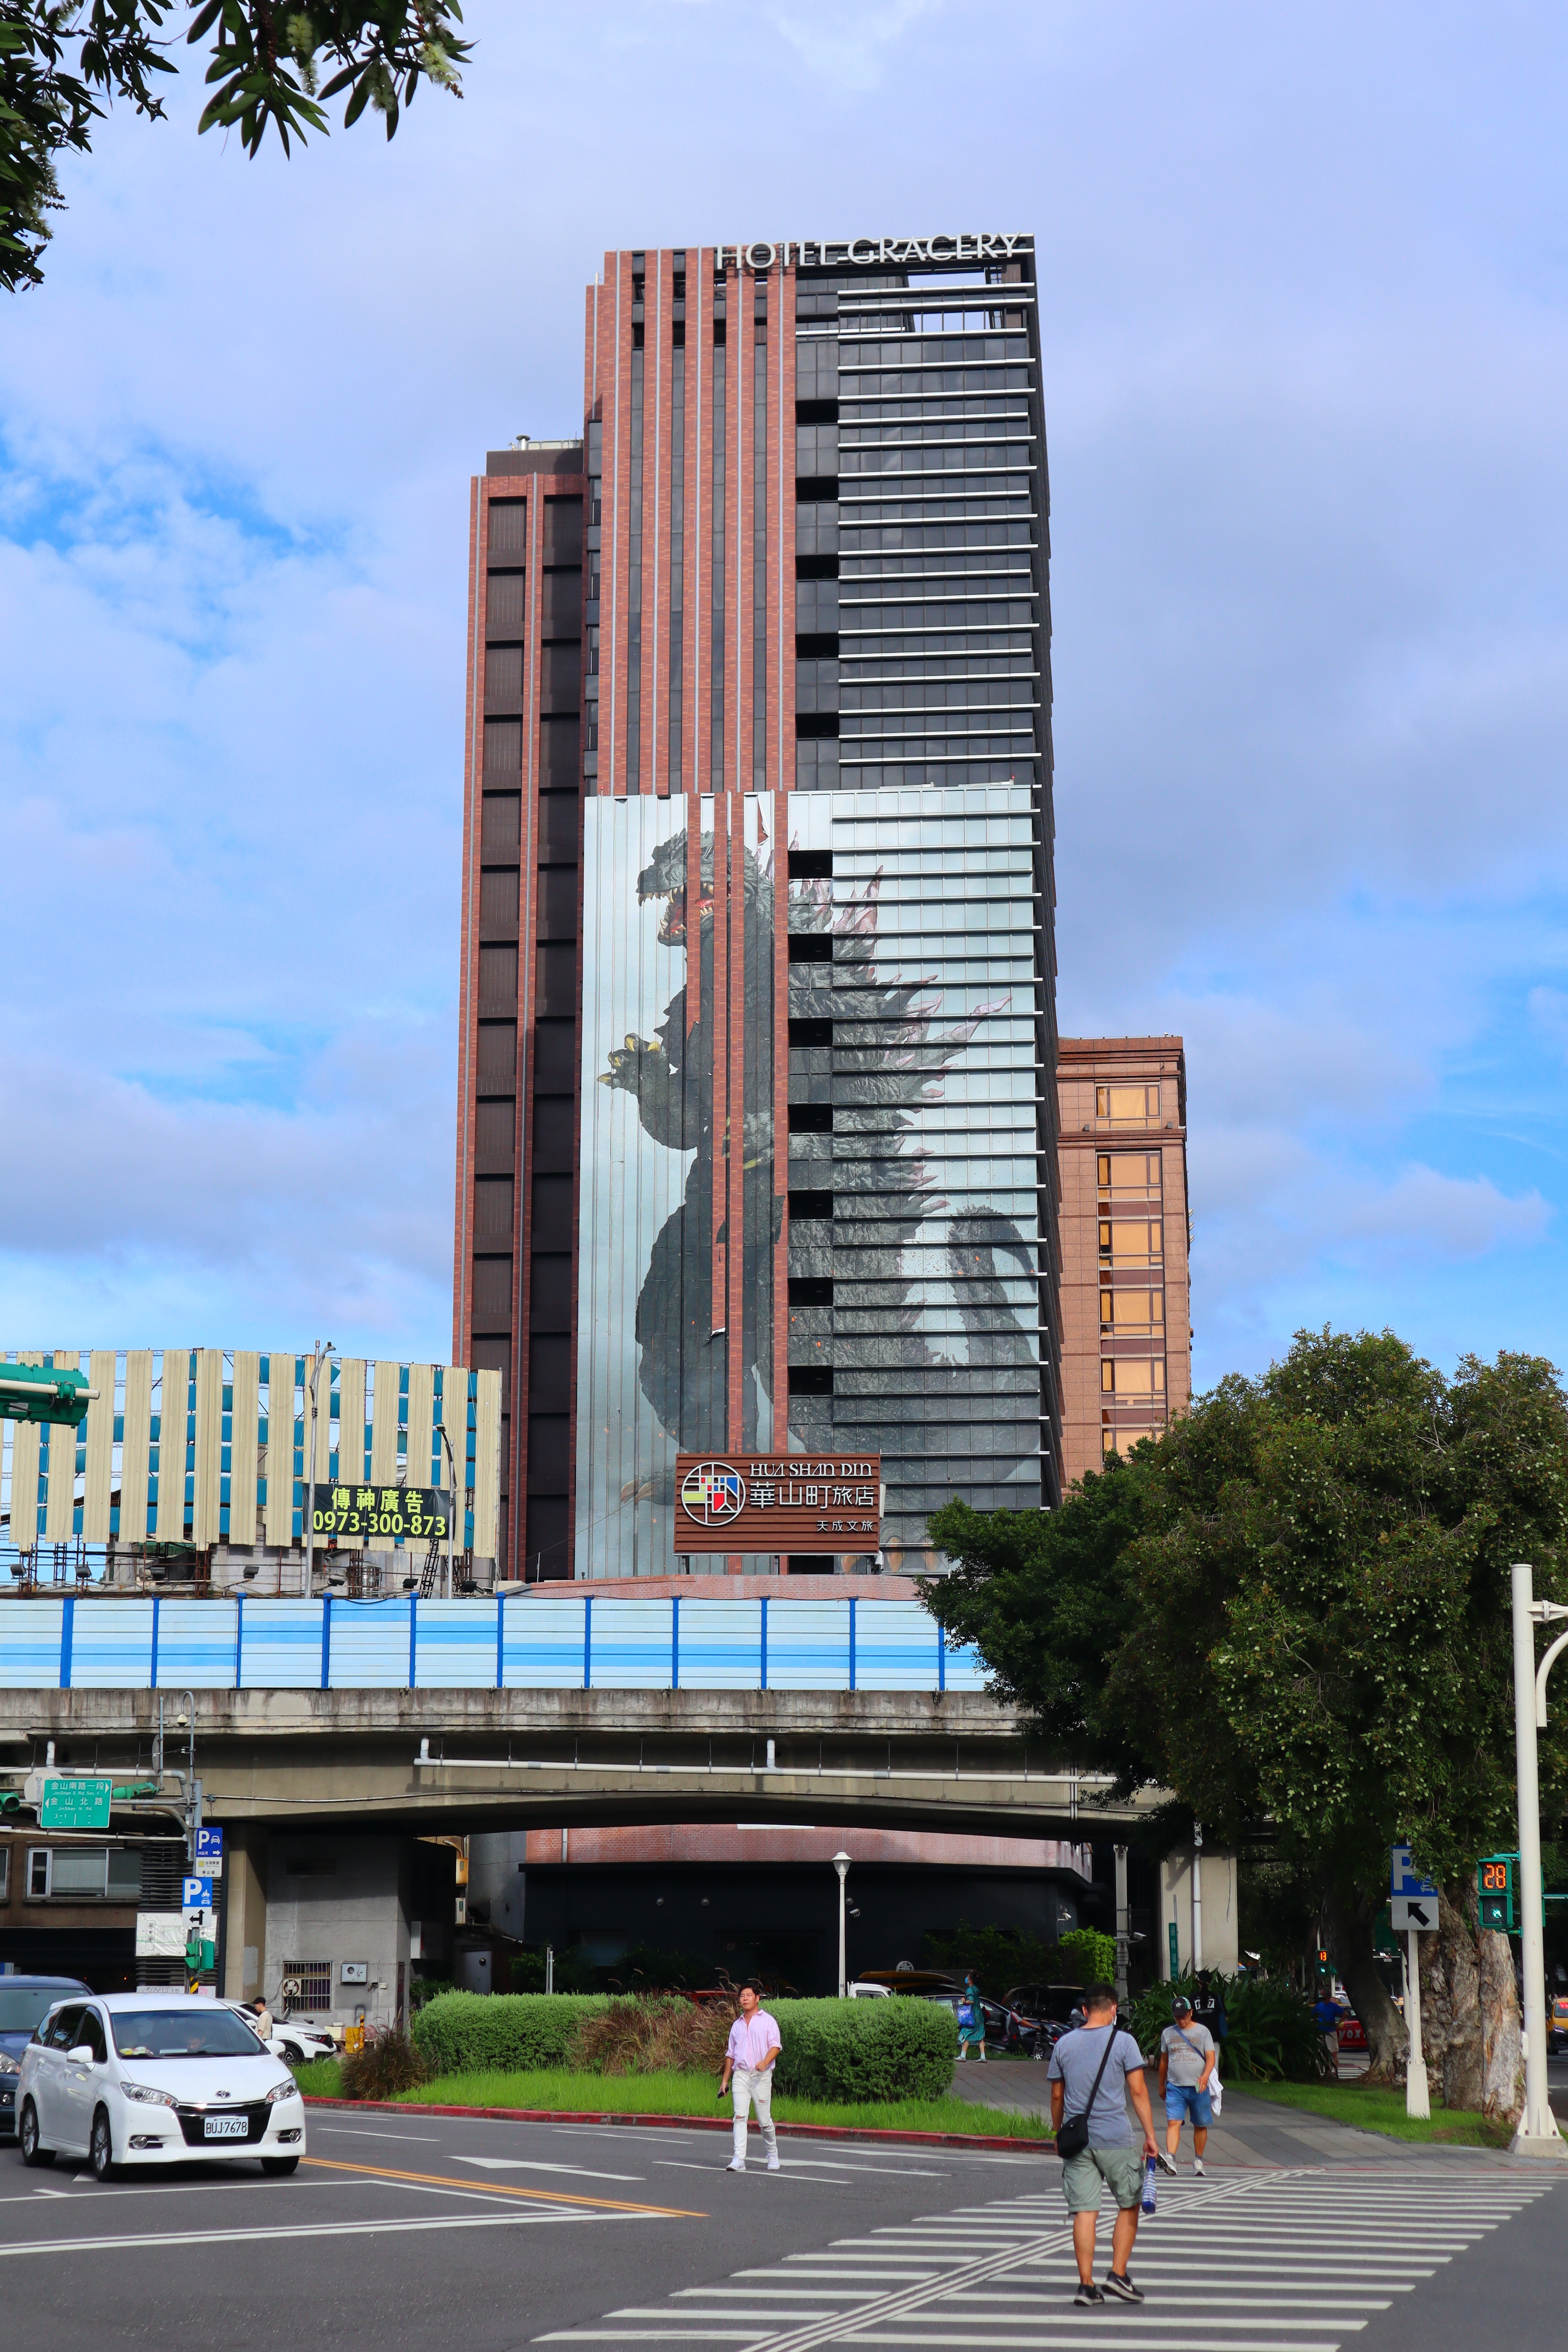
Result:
{"points": [[1187, 2058], [1110, 2156]]}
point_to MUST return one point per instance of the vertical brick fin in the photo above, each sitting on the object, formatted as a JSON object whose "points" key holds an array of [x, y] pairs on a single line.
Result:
{"points": [[720, 1289], [657, 522], [737, 1369], [613, 672], [737, 444], [468, 984], [700, 506], [781, 1121], [738, 746], [693, 916]]}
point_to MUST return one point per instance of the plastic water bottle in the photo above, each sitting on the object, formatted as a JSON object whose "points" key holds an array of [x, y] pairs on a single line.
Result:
{"points": [[1149, 2184]]}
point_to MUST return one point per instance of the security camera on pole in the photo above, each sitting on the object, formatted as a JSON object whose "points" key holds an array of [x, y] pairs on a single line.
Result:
{"points": [[1538, 2133]]}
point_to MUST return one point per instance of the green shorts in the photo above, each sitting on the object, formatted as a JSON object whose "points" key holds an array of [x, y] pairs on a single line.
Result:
{"points": [[1119, 2169]]}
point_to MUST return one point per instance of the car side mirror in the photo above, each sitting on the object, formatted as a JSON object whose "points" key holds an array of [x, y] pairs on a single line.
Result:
{"points": [[82, 2055]]}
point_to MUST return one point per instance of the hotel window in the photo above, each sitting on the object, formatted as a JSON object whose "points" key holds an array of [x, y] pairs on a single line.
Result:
{"points": [[1127, 1102], [1131, 1310], [1131, 1241], [1132, 1376], [1127, 1172]]}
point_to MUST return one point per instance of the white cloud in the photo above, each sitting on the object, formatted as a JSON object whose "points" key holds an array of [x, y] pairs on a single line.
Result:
{"points": [[1305, 362], [845, 45], [1549, 1012]]}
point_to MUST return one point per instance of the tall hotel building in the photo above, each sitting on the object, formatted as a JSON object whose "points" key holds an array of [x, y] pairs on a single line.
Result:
{"points": [[757, 1123]]}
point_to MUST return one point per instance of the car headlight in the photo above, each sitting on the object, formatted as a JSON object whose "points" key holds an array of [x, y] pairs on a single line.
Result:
{"points": [[289, 2090], [8, 2064], [144, 2095]]}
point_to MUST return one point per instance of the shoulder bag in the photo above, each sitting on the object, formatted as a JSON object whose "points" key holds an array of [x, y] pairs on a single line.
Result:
{"points": [[1073, 2137]]}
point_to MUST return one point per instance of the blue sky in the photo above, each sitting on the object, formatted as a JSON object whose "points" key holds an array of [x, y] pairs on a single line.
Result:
{"points": [[1305, 317]]}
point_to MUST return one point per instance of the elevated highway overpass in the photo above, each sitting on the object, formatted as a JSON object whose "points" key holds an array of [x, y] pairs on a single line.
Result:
{"points": [[451, 1759], [354, 1728], [523, 1710]]}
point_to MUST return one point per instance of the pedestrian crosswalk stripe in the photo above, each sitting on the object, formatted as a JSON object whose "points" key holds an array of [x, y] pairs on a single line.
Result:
{"points": [[1285, 2262]]}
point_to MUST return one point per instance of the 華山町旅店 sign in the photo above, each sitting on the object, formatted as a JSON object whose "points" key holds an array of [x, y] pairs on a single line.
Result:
{"points": [[737, 1503]]}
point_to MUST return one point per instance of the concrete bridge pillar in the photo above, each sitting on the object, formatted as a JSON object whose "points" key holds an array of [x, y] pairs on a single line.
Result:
{"points": [[245, 1918]]}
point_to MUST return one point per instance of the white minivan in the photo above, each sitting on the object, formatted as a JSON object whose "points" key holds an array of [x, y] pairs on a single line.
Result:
{"points": [[133, 2078]]}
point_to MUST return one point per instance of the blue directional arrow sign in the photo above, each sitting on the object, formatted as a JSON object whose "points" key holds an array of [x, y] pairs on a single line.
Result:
{"points": [[1405, 1881]]}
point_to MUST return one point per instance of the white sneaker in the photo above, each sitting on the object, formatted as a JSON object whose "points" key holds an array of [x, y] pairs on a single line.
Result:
{"points": [[774, 2163], [736, 2164], [1197, 2167]]}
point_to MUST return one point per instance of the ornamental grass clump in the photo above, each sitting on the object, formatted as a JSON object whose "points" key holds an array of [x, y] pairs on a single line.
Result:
{"points": [[383, 2067], [658, 2036]]}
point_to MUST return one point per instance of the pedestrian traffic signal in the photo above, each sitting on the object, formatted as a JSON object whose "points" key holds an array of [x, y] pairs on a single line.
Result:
{"points": [[1494, 1884]]}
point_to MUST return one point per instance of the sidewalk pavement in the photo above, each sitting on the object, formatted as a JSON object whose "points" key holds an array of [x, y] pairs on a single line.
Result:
{"points": [[1256, 2135]]}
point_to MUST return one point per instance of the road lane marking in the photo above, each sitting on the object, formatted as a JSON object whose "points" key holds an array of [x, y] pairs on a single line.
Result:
{"points": [[269, 2237], [366, 2131], [502, 2188], [527, 2164], [155, 2187]]}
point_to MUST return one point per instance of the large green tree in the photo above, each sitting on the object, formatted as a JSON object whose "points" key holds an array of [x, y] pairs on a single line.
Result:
{"points": [[1308, 1633], [63, 61]]}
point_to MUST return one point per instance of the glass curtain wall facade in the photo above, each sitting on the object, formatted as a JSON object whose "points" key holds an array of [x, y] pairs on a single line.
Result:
{"points": [[814, 1172]]}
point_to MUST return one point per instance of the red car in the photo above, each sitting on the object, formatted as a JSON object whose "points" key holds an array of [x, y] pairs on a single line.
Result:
{"points": [[1353, 2033]]}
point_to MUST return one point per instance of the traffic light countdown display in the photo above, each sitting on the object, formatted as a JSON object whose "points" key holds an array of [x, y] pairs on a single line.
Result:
{"points": [[1494, 1883]]}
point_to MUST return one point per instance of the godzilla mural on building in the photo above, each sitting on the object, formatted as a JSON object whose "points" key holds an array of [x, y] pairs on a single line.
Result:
{"points": [[927, 1290]]}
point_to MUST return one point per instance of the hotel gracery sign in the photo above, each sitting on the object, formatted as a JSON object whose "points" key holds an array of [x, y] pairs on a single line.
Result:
{"points": [[742, 1502], [871, 252]]}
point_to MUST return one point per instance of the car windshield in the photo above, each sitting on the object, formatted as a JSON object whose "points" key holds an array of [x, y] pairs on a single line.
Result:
{"points": [[182, 2033], [23, 2006]]}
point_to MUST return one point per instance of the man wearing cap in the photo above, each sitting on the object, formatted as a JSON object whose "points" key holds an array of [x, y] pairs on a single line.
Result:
{"points": [[754, 2043], [1187, 2056]]}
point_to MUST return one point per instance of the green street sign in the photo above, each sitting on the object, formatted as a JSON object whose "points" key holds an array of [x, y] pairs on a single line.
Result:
{"points": [[75, 1804], [1175, 1954], [33, 1392]]}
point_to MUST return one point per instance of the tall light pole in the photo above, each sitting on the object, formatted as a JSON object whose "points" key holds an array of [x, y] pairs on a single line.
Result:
{"points": [[841, 1864], [452, 1505], [1537, 2133], [1197, 1896], [1124, 1922], [323, 1349]]}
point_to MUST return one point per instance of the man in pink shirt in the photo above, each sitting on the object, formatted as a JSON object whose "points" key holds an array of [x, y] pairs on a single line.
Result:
{"points": [[753, 2045]]}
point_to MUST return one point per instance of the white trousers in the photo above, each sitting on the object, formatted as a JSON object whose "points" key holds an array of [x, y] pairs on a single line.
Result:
{"points": [[753, 2086]]}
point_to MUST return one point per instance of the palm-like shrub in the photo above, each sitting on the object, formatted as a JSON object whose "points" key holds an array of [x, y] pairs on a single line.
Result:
{"points": [[1271, 2033]]}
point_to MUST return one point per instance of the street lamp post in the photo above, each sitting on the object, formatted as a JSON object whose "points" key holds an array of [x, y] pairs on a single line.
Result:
{"points": [[1538, 2133], [841, 1864], [1124, 1922]]}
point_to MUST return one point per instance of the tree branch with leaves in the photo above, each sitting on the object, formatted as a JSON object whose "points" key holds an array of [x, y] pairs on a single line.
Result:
{"points": [[1292, 1613], [64, 62]]}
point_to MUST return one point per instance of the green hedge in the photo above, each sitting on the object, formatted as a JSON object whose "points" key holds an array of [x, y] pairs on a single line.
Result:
{"points": [[850, 2051], [859, 2049], [484, 2033]]}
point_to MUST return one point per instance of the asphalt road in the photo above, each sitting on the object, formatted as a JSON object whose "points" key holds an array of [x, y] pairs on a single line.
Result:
{"points": [[424, 2233]]}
